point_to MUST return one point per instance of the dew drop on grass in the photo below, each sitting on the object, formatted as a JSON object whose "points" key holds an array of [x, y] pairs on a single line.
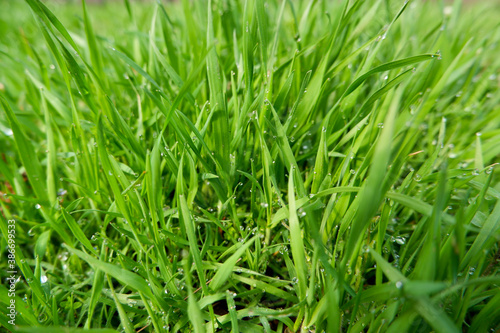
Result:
{"points": [[61, 192], [400, 240], [63, 256], [37, 206]]}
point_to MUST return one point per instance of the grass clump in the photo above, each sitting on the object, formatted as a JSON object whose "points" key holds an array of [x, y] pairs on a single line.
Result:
{"points": [[251, 166]]}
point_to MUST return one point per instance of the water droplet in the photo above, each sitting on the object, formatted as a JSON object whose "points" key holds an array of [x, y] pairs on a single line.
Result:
{"points": [[42, 317], [63, 256], [37, 206]]}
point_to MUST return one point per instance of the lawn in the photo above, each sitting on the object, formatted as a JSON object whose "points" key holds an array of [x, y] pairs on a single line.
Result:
{"points": [[249, 166]]}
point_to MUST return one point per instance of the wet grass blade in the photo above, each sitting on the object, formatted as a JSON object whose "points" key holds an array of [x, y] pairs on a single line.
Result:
{"points": [[225, 271]]}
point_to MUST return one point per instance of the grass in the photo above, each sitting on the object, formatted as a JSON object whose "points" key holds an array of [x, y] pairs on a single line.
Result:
{"points": [[251, 166]]}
